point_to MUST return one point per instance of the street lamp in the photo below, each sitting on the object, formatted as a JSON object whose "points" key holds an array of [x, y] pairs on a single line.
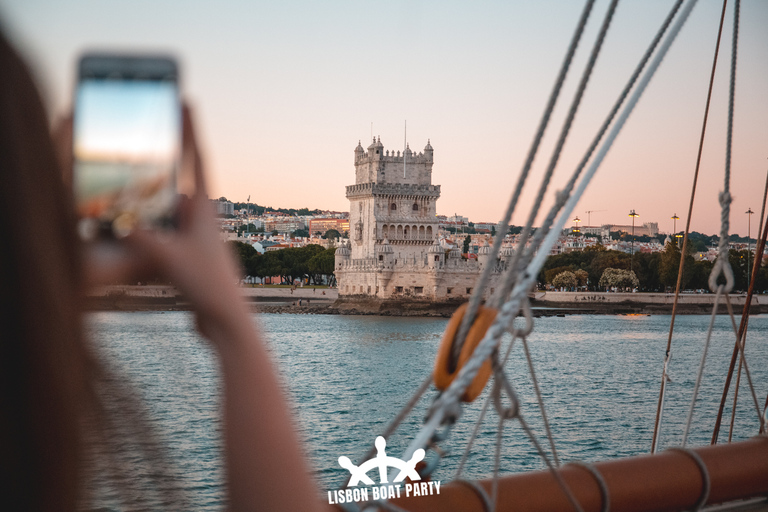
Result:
{"points": [[632, 247], [749, 213], [674, 223], [576, 229]]}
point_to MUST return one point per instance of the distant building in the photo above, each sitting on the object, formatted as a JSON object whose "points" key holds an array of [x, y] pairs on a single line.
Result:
{"points": [[322, 225], [224, 207], [647, 229], [283, 224]]}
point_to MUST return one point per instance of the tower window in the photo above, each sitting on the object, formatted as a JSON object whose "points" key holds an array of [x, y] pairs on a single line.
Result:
{"points": [[415, 207], [393, 207]]}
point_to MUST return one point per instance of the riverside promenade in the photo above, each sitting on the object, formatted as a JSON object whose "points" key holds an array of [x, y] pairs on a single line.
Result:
{"points": [[315, 300]]}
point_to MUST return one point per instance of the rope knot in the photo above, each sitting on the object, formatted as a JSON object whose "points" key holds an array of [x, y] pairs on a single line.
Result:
{"points": [[722, 265]]}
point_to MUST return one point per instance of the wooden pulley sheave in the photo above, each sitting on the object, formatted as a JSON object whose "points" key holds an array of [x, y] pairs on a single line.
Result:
{"points": [[445, 372]]}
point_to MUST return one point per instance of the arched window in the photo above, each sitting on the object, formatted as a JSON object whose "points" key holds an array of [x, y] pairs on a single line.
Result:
{"points": [[415, 207], [393, 206], [399, 231], [405, 232], [384, 231], [429, 232], [421, 232]]}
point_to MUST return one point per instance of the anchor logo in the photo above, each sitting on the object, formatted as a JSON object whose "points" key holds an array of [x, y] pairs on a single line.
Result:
{"points": [[382, 461]]}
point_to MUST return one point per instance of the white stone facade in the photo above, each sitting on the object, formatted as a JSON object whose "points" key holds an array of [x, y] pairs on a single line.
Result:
{"points": [[393, 251]]}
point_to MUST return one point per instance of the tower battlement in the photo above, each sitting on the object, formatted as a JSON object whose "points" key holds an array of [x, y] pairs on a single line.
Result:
{"points": [[377, 165]]}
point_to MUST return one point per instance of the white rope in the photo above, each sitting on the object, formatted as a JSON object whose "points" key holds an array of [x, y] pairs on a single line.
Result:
{"points": [[722, 265], [511, 274], [449, 400], [720, 289], [503, 226]]}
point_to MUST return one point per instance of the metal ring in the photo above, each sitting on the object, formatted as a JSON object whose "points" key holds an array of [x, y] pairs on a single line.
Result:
{"points": [[479, 491], [706, 482], [600, 482]]}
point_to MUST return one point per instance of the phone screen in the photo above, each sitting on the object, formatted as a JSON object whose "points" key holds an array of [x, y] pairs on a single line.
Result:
{"points": [[127, 135]]}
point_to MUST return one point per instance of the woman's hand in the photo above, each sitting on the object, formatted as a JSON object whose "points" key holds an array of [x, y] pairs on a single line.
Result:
{"points": [[194, 257]]}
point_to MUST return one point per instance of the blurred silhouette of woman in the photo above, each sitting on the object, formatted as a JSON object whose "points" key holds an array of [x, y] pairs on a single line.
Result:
{"points": [[53, 386]]}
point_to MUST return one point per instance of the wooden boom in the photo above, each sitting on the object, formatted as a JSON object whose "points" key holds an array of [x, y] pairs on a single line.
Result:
{"points": [[666, 481]]}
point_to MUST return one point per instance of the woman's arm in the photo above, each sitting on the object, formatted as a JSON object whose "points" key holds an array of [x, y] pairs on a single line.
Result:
{"points": [[265, 463]]}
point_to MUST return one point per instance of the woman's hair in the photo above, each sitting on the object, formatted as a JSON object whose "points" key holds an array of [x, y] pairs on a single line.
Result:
{"points": [[44, 370]]}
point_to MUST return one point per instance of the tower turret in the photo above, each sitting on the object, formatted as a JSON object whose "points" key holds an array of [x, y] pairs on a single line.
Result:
{"points": [[428, 152], [484, 254], [341, 256]]}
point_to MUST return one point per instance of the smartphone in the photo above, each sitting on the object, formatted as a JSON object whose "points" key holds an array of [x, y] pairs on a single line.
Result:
{"points": [[127, 143]]}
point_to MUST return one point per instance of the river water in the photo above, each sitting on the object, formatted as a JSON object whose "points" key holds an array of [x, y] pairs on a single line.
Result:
{"points": [[346, 377]]}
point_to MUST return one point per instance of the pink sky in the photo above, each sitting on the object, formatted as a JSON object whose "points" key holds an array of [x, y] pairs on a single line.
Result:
{"points": [[284, 92]]}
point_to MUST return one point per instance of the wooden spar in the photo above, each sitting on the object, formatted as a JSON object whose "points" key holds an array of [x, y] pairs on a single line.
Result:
{"points": [[666, 481]]}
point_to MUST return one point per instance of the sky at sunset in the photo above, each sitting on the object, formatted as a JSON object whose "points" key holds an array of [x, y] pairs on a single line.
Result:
{"points": [[283, 91]]}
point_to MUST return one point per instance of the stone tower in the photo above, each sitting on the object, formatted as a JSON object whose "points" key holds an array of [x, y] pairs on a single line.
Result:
{"points": [[392, 199], [394, 252]]}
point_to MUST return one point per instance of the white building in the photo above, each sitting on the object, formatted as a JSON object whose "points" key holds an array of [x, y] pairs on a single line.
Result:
{"points": [[394, 251]]}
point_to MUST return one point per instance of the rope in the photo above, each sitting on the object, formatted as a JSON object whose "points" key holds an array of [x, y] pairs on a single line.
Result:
{"points": [[600, 483], [503, 227], [449, 399], [404, 412], [481, 418], [706, 481], [684, 249], [744, 360], [541, 403], [511, 274], [720, 289], [562, 197], [741, 336], [722, 265]]}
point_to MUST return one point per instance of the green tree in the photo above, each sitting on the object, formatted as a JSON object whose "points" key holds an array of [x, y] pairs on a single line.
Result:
{"points": [[467, 241], [322, 264], [582, 277], [332, 234], [565, 279], [303, 233], [670, 265], [618, 278]]}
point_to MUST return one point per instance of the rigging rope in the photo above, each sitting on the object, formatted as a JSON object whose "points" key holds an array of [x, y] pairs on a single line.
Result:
{"points": [[753, 276], [684, 249], [503, 226], [509, 278], [448, 402], [562, 196]]}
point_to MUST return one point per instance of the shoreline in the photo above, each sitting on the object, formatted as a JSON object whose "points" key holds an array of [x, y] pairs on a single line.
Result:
{"points": [[323, 301]]}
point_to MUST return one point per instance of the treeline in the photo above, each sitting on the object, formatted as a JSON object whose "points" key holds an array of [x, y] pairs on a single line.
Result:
{"points": [[311, 262], [656, 271], [259, 210]]}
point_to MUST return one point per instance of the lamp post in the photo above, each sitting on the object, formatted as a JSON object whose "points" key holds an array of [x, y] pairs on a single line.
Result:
{"points": [[632, 247], [749, 213], [576, 229], [674, 224]]}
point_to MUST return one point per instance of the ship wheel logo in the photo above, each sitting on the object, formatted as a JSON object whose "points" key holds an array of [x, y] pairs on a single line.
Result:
{"points": [[382, 461]]}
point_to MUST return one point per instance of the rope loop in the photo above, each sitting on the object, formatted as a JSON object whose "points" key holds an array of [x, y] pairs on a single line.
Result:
{"points": [[523, 332], [706, 482], [722, 265], [500, 383], [600, 483]]}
